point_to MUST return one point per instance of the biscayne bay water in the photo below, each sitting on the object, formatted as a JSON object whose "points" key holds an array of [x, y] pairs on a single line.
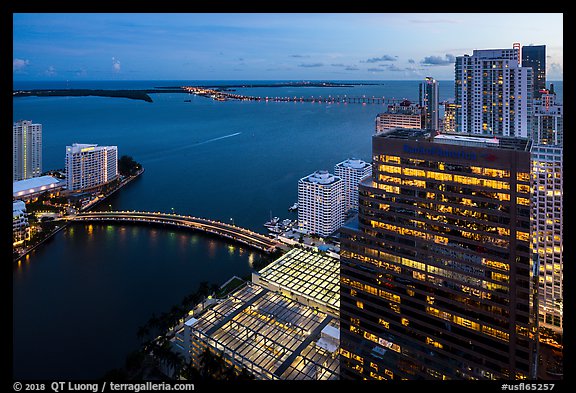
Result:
{"points": [[80, 298]]}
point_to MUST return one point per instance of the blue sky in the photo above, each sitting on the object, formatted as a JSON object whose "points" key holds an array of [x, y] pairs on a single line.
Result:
{"points": [[299, 46]]}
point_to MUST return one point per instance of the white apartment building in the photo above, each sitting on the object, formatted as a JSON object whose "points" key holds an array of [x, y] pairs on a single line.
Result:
{"points": [[493, 93], [320, 203], [90, 165], [352, 171], [20, 226], [26, 150]]}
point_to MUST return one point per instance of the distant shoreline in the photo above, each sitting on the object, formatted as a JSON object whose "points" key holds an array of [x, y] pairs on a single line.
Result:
{"points": [[279, 84], [143, 94], [132, 94]]}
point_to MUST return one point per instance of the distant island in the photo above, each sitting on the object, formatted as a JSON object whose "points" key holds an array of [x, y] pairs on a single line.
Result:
{"points": [[132, 94], [144, 93], [278, 84]]}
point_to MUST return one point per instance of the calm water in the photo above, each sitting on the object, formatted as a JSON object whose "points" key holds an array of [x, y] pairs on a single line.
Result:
{"points": [[79, 300]]}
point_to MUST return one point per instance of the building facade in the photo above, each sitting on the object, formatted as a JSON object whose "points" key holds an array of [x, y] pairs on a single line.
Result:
{"points": [[437, 278], [26, 150], [449, 117], [548, 120], [403, 115], [20, 225], [547, 232], [547, 205], [534, 56], [428, 93], [493, 94], [90, 165], [352, 171], [320, 203]]}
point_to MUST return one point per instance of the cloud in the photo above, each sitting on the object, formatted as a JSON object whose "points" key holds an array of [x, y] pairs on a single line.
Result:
{"points": [[394, 68], [346, 67], [411, 61], [555, 70], [379, 59], [18, 65], [81, 72], [115, 65], [375, 69], [438, 60], [50, 71], [299, 56], [311, 65]]}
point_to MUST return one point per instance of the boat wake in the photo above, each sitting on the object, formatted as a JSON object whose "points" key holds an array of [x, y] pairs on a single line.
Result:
{"points": [[164, 154], [217, 139]]}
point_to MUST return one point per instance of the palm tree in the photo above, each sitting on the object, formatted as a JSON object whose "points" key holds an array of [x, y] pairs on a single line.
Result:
{"points": [[143, 332], [245, 375], [211, 368]]}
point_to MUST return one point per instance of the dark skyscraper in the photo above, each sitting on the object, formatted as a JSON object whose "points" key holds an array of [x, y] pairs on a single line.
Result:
{"points": [[429, 103], [436, 274], [535, 56]]}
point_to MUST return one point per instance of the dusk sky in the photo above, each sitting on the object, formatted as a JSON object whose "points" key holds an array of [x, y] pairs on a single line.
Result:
{"points": [[269, 46]]}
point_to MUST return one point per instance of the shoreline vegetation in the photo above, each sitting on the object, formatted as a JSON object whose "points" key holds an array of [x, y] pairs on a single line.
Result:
{"points": [[143, 94], [132, 94]]}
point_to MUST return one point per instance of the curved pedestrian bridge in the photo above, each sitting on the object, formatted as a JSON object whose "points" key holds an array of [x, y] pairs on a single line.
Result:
{"points": [[239, 234]]}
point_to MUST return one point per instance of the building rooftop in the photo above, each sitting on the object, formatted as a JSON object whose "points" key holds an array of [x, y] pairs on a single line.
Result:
{"points": [[354, 163], [18, 206], [458, 138], [306, 273], [404, 133], [35, 184], [271, 335], [321, 177]]}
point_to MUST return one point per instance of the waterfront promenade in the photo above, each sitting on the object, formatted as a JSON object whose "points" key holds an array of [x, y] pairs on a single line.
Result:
{"points": [[239, 234]]}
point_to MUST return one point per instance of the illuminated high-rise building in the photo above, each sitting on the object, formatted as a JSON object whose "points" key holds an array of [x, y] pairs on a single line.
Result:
{"points": [[534, 56], [90, 165], [547, 205], [493, 93], [450, 117], [437, 279], [26, 150], [402, 115]]}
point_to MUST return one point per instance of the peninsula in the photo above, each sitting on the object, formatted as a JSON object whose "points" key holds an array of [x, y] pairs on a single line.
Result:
{"points": [[132, 94]]}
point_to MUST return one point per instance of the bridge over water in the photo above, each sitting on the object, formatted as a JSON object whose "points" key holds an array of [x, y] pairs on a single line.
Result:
{"points": [[219, 95], [239, 234]]}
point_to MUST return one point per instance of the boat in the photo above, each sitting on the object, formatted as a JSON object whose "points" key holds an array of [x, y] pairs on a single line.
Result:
{"points": [[274, 229], [294, 207], [272, 223]]}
